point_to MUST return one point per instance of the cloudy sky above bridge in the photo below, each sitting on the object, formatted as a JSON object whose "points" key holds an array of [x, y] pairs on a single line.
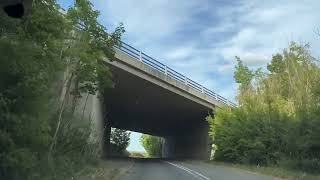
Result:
{"points": [[200, 38]]}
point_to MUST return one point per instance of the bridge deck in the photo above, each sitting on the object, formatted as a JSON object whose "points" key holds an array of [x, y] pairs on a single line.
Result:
{"points": [[141, 64]]}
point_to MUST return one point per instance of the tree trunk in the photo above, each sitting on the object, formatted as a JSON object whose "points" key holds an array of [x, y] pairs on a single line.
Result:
{"points": [[61, 110], [84, 106]]}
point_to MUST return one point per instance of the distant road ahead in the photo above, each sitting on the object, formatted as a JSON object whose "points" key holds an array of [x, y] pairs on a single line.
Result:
{"points": [[155, 169]]}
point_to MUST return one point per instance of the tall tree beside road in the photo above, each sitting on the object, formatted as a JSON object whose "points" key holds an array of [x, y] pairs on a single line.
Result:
{"points": [[119, 140], [277, 121], [82, 55], [152, 144], [36, 103]]}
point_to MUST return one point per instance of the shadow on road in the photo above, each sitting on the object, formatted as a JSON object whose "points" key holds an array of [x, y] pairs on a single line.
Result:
{"points": [[146, 159]]}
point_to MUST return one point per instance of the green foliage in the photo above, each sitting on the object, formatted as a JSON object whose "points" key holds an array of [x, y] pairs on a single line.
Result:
{"points": [[90, 44], [242, 74], [277, 121], [35, 52], [152, 144], [119, 140], [277, 64]]}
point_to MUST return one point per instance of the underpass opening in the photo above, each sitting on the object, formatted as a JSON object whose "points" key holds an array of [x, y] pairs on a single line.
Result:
{"points": [[192, 144], [132, 144]]}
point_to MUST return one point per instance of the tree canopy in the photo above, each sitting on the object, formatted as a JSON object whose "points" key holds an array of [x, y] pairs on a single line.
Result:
{"points": [[47, 64], [119, 140], [152, 144], [277, 121]]}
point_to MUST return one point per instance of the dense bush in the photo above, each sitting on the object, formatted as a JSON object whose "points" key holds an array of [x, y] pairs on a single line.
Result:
{"points": [[46, 66], [152, 144], [119, 140], [277, 121]]}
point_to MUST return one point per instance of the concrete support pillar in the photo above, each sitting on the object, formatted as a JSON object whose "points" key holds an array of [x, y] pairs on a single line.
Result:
{"points": [[101, 125], [97, 122], [188, 145], [90, 110]]}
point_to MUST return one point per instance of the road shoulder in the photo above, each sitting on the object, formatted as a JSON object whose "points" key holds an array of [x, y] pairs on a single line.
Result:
{"points": [[107, 169], [277, 172]]}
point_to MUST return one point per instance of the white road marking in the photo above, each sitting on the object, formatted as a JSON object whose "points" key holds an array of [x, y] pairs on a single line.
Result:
{"points": [[199, 174], [190, 171]]}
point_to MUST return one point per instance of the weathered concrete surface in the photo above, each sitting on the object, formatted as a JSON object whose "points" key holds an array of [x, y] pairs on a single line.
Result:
{"points": [[147, 101], [90, 111]]}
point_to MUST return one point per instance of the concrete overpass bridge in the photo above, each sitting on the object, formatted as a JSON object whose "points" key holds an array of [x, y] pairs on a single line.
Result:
{"points": [[150, 97]]}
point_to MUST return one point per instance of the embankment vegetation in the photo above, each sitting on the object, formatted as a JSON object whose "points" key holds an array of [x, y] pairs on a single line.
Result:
{"points": [[152, 145], [119, 141], [137, 154], [277, 122], [47, 65]]}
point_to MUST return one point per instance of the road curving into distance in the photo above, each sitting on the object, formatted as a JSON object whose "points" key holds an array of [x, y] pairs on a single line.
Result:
{"points": [[159, 169]]}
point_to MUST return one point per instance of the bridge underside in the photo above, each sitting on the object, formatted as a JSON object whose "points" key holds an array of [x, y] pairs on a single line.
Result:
{"points": [[139, 105]]}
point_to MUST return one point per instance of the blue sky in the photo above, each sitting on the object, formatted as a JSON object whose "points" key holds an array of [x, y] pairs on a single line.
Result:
{"points": [[134, 142], [200, 38]]}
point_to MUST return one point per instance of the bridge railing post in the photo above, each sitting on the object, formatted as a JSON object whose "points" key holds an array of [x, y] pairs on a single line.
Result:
{"points": [[185, 80], [202, 89], [165, 70], [140, 56]]}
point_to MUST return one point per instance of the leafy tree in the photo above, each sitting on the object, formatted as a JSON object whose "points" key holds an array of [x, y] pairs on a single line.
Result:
{"points": [[46, 66], [120, 139], [29, 62], [242, 74], [277, 121], [152, 144], [277, 64], [83, 55]]}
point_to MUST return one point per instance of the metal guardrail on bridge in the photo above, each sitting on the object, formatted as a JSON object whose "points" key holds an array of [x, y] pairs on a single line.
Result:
{"points": [[146, 59]]}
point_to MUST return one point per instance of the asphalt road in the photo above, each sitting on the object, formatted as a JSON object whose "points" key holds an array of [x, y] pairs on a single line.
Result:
{"points": [[157, 169]]}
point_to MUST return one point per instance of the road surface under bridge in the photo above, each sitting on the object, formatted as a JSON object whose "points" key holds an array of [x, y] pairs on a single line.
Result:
{"points": [[151, 98]]}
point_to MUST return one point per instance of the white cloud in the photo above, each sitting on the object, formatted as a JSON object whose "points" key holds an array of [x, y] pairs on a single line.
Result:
{"points": [[226, 68], [252, 59], [225, 26], [268, 27], [180, 53], [148, 20]]}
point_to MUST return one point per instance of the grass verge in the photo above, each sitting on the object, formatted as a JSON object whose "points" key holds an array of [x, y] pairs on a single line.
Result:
{"points": [[279, 172], [137, 154], [105, 170]]}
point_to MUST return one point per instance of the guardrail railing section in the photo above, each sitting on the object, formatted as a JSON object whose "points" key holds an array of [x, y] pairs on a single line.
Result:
{"points": [[153, 63]]}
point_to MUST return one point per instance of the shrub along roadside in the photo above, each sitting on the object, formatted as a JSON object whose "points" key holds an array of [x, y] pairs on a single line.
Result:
{"points": [[46, 67], [277, 122], [152, 144], [119, 141], [275, 171]]}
